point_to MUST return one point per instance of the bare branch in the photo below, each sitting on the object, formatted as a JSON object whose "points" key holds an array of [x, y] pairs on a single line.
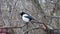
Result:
{"points": [[15, 2], [38, 6], [9, 27], [58, 17], [32, 29]]}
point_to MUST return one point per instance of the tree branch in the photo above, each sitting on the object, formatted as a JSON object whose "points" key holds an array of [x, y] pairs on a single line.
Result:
{"points": [[32, 29], [9, 27]]}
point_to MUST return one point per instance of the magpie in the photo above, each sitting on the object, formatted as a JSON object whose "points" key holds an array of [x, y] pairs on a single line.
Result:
{"points": [[26, 17]]}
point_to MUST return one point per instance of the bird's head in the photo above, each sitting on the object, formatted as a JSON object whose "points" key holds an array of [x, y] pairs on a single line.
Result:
{"points": [[22, 13]]}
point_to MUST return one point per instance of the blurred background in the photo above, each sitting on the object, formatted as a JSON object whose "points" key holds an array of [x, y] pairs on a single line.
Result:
{"points": [[47, 11]]}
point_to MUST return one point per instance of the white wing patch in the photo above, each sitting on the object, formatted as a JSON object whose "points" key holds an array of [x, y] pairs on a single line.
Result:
{"points": [[24, 18]]}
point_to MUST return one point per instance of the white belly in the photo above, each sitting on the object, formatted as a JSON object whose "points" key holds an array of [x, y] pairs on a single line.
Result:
{"points": [[25, 19]]}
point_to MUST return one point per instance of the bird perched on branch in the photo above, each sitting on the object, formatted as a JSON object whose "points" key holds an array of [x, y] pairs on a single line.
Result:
{"points": [[26, 17]]}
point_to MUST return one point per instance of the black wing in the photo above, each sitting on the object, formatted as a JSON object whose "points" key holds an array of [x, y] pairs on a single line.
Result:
{"points": [[29, 17]]}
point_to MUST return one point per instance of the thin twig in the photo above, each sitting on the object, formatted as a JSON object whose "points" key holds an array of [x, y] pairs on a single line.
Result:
{"points": [[53, 17], [9, 27]]}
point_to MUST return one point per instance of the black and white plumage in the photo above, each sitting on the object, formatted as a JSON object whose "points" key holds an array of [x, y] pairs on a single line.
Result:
{"points": [[26, 17]]}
